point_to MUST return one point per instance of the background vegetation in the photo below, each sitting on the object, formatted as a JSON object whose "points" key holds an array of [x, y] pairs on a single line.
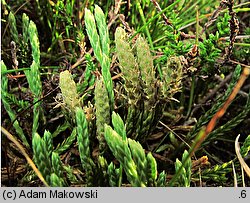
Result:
{"points": [[125, 93]]}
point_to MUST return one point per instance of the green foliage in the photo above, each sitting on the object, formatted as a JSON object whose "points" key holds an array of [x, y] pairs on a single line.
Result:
{"points": [[25, 28], [13, 100], [209, 53], [185, 177], [217, 173], [89, 78], [141, 170], [161, 182], [33, 75], [65, 145], [230, 125], [61, 15], [58, 169], [152, 170], [47, 160], [83, 145], [102, 178], [121, 151], [70, 174], [34, 80], [47, 137], [34, 42], [139, 158], [7, 106], [113, 174], [60, 128], [13, 29], [55, 180], [242, 50], [102, 112], [245, 147], [103, 30], [100, 44], [209, 114], [142, 61], [69, 91], [222, 25], [118, 124], [41, 156]]}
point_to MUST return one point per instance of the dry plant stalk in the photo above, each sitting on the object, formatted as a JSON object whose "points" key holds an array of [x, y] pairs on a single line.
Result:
{"points": [[241, 160], [214, 16], [234, 30], [22, 150]]}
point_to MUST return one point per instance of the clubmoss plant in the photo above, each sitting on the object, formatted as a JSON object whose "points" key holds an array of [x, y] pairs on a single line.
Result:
{"points": [[41, 156], [100, 43], [141, 169], [122, 152], [185, 176], [216, 173], [147, 72], [141, 83], [13, 29], [25, 28], [33, 75], [70, 174], [114, 175], [84, 145], [34, 42], [152, 171], [142, 80], [47, 137], [128, 65], [139, 159], [161, 182], [55, 181], [69, 91], [60, 128], [172, 75], [102, 112], [146, 66], [58, 169], [130, 71]]}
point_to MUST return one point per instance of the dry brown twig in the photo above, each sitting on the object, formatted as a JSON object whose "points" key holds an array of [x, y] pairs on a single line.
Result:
{"points": [[234, 30], [166, 20], [214, 16], [113, 13]]}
